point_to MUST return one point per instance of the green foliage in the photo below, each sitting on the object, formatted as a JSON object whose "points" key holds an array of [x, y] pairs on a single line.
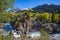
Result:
{"points": [[43, 17], [9, 37], [5, 4], [6, 17]]}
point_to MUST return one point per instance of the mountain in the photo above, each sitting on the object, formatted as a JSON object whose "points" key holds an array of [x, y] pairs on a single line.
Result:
{"points": [[47, 8], [15, 10]]}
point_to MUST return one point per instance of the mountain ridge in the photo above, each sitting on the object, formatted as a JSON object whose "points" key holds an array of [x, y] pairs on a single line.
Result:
{"points": [[52, 8]]}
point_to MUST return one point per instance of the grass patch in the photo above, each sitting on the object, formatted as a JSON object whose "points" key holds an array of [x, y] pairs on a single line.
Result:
{"points": [[8, 37]]}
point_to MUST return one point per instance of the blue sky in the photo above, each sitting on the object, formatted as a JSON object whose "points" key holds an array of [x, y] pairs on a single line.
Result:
{"points": [[33, 3]]}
